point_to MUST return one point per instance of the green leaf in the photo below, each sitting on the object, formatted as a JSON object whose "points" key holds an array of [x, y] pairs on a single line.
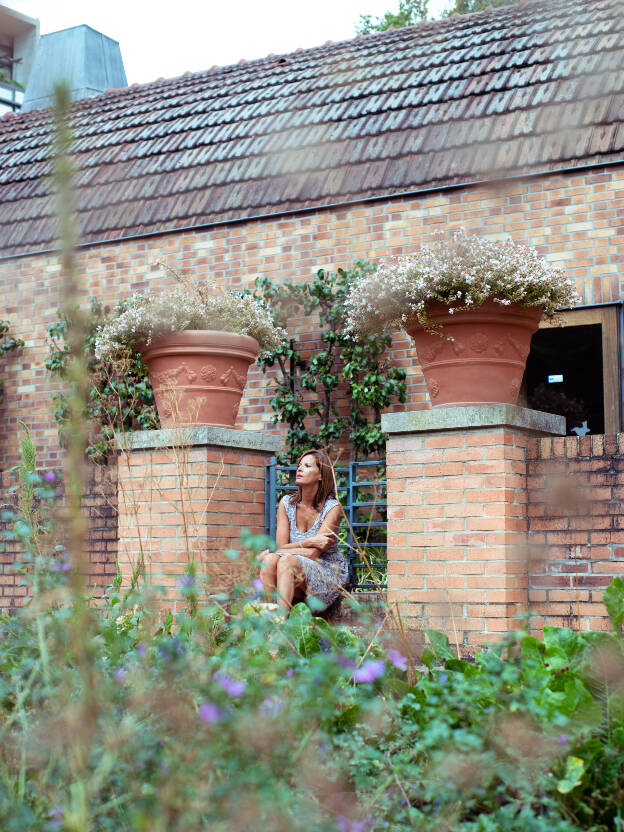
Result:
{"points": [[427, 657], [613, 599], [440, 645], [461, 666], [575, 768], [564, 643]]}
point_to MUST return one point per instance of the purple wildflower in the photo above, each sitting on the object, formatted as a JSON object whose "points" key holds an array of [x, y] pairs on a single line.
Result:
{"points": [[49, 476], [290, 672], [397, 659], [233, 687], [209, 713], [187, 580], [345, 661], [442, 678], [371, 670], [141, 649], [271, 706], [120, 674], [56, 817], [258, 585], [61, 565], [562, 739], [346, 824]]}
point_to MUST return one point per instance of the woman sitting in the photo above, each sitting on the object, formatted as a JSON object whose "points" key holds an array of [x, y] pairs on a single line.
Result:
{"points": [[308, 561]]}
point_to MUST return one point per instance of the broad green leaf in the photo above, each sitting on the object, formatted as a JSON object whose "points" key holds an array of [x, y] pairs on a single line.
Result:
{"points": [[571, 644], [440, 645], [613, 599], [575, 768], [462, 667]]}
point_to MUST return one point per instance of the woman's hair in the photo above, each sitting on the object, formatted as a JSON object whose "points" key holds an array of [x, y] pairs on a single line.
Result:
{"points": [[326, 487]]}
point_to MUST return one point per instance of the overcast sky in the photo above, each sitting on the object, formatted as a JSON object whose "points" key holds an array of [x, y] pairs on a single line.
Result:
{"points": [[168, 38]]}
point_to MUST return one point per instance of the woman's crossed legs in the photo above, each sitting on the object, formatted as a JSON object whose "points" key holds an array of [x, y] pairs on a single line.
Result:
{"points": [[284, 574]]}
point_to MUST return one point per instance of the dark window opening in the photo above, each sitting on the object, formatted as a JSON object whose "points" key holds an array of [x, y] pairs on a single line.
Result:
{"points": [[564, 375]]}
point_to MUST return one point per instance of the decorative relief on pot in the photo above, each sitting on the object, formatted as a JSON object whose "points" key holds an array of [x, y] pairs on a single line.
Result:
{"points": [[208, 372], [479, 342], [230, 375], [515, 387], [235, 411], [165, 408], [517, 347], [430, 353], [458, 348], [434, 388], [174, 372]]}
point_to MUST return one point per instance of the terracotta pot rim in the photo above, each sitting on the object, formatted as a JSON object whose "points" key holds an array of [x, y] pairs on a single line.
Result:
{"points": [[487, 312], [186, 338]]}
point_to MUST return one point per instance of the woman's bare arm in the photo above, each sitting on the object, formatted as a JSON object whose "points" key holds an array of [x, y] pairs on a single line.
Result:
{"points": [[311, 547]]}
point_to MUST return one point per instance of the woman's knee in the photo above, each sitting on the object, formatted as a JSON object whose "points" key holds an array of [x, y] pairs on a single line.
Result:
{"points": [[269, 560], [288, 563]]}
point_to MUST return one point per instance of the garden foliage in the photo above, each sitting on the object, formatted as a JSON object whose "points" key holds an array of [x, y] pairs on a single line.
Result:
{"points": [[226, 718], [120, 395], [341, 369]]}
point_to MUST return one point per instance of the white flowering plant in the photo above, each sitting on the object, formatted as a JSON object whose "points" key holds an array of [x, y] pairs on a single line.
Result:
{"points": [[189, 305], [462, 271]]}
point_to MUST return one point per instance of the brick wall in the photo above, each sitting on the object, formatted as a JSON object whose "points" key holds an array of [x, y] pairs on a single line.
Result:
{"points": [[572, 219], [576, 527], [184, 504], [100, 504], [456, 531]]}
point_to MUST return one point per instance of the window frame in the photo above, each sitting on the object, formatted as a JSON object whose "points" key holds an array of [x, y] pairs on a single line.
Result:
{"points": [[609, 316]]}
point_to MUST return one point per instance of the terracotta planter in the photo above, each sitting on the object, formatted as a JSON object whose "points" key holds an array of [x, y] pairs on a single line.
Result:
{"points": [[481, 357], [199, 376]]}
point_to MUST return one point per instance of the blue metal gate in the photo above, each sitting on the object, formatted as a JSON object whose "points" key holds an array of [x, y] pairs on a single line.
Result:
{"points": [[363, 538]]}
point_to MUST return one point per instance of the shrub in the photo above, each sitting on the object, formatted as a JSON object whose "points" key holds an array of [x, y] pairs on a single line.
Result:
{"points": [[360, 372]]}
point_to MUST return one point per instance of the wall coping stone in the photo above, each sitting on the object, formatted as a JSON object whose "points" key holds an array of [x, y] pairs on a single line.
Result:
{"points": [[200, 435], [483, 416]]}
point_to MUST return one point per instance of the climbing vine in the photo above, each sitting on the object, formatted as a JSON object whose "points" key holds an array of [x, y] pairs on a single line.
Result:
{"points": [[341, 371], [7, 344], [121, 397]]}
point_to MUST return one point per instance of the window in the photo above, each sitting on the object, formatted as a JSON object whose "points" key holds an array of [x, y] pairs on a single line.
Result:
{"points": [[574, 370]]}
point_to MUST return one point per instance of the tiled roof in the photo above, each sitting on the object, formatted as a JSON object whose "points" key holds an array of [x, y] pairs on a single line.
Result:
{"points": [[528, 87]]}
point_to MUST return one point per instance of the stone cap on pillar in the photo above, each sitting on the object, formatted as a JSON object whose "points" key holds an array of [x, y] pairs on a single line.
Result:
{"points": [[474, 417], [201, 435]]}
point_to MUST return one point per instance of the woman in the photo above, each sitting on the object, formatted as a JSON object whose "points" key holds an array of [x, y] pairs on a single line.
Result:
{"points": [[307, 561]]}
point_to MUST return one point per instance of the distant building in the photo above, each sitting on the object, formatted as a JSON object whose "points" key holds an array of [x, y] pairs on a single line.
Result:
{"points": [[19, 37]]}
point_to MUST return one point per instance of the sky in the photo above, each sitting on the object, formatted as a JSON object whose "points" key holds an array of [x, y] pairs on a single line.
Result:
{"points": [[166, 39]]}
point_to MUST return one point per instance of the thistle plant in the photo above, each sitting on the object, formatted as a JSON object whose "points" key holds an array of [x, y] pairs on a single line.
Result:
{"points": [[462, 271]]}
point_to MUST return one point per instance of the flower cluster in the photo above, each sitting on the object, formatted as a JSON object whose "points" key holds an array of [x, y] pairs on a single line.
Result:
{"points": [[187, 306], [462, 271]]}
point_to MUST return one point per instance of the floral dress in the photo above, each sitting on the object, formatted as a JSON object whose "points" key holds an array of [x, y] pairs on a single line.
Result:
{"points": [[326, 575]]}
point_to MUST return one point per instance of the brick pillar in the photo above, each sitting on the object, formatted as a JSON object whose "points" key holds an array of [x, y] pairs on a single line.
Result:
{"points": [[457, 518], [185, 495]]}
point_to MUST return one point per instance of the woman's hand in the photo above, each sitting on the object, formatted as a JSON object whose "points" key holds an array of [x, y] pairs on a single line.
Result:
{"points": [[321, 541]]}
